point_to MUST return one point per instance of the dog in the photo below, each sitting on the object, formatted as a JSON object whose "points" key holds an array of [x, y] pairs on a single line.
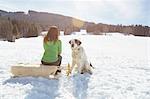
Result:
{"points": [[79, 57]]}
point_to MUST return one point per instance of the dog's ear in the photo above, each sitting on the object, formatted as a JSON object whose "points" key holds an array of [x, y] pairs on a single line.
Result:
{"points": [[70, 42], [78, 42]]}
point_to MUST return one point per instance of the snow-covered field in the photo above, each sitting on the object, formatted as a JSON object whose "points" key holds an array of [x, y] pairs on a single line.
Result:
{"points": [[122, 69]]}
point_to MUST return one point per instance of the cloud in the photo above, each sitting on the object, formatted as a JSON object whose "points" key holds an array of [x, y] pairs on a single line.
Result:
{"points": [[126, 9], [113, 11]]}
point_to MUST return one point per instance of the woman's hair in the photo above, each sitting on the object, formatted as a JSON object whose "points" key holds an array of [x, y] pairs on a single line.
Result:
{"points": [[52, 34]]}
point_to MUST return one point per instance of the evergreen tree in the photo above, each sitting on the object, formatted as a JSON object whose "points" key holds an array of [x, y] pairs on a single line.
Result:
{"points": [[15, 30]]}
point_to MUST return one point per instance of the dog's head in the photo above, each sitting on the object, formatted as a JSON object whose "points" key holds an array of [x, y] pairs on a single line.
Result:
{"points": [[75, 43]]}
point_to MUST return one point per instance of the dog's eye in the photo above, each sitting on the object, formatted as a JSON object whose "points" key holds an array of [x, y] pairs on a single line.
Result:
{"points": [[76, 40]]}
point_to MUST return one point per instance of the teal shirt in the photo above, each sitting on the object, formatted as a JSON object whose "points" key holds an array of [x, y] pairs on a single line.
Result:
{"points": [[52, 50]]}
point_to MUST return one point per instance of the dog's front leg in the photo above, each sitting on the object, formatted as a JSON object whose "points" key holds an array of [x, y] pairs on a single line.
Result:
{"points": [[72, 66], [80, 68]]}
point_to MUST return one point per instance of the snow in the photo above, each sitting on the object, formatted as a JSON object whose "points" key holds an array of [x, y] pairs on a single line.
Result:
{"points": [[122, 69], [82, 32]]}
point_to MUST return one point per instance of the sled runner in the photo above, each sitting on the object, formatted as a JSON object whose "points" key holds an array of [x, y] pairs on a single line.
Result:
{"points": [[39, 70], [22, 70]]}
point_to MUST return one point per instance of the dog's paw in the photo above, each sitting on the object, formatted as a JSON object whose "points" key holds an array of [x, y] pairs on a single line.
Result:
{"points": [[90, 72]]}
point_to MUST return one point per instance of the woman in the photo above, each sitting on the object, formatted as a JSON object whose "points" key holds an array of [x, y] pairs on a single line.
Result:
{"points": [[52, 48]]}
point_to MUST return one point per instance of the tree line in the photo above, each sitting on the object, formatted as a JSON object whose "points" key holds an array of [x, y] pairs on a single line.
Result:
{"points": [[15, 25], [137, 30], [11, 29]]}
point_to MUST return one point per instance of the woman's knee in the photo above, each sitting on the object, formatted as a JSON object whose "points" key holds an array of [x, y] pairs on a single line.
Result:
{"points": [[59, 58]]}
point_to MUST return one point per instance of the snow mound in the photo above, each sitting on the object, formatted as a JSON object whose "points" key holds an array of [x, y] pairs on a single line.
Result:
{"points": [[122, 69]]}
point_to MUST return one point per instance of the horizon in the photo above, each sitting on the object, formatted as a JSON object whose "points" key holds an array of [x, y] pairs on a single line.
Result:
{"points": [[126, 12]]}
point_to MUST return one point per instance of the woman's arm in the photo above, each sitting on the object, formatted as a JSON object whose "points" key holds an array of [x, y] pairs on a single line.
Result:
{"points": [[45, 46], [59, 47]]}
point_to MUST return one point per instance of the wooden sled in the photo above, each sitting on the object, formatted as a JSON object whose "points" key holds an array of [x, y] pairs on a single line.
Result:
{"points": [[22, 70]]}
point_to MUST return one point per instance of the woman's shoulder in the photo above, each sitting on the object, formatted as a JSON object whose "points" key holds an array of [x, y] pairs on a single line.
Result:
{"points": [[53, 42]]}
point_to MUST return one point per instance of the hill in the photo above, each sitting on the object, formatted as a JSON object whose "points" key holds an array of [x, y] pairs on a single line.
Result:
{"points": [[32, 23]]}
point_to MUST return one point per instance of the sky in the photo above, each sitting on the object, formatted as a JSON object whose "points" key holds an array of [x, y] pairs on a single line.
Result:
{"points": [[126, 12]]}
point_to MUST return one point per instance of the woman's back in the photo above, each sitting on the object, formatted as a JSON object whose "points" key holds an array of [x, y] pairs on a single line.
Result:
{"points": [[52, 50]]}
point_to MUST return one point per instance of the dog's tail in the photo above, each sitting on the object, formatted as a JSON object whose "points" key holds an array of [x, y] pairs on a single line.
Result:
{"points": [[91, 65]]}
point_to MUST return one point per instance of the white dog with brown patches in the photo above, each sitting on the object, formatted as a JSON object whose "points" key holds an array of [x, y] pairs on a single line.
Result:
{"points": [[79, 57]]}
